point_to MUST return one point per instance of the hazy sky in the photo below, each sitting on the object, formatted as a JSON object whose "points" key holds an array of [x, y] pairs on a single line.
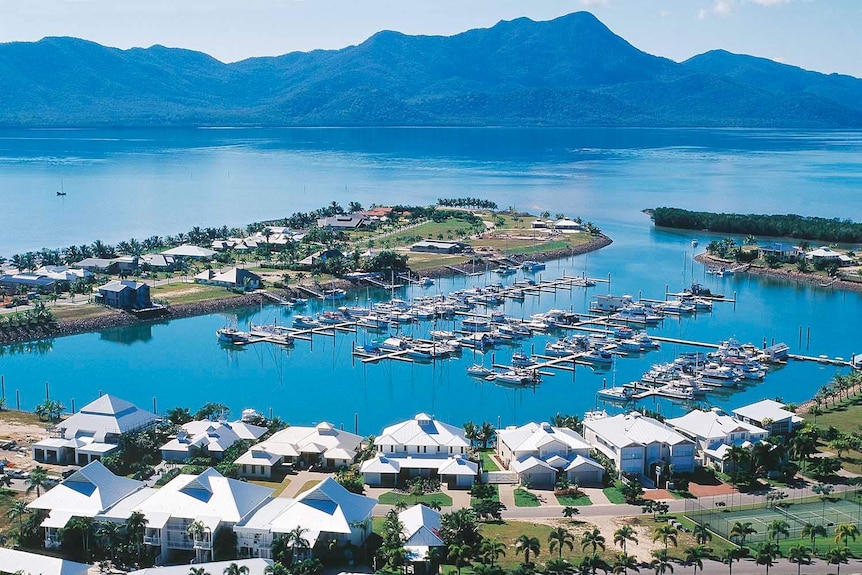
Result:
{"points": [[823, 35]]}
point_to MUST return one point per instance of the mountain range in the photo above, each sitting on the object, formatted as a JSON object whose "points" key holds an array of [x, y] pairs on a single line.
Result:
{"points": [[571, 71]]}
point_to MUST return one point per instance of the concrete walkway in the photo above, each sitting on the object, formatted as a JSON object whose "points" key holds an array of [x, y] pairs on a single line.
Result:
{"points": [[507, 495]]}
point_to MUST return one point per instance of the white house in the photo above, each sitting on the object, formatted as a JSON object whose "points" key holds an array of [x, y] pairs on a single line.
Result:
{"points": [[210, 499], [89, 492], [209, 438], [537, 451], [230, 278], [327, 512], [770, 415], [567, 225], [14, 561], [637, 443], [322, 444], [421, 532], [827, 254], [421, 447], [92, 432], [190, 251], [715, 431]]}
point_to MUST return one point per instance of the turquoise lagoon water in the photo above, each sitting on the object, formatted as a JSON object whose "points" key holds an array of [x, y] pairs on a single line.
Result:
{"points": [[135, 183]]}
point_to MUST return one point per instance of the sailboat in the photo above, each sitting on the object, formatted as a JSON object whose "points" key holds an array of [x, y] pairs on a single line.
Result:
{"points": [[61, 192]]}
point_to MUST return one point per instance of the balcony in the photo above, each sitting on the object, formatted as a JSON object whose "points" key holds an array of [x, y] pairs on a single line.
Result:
{"points": [[152, 540], [205, 544]]}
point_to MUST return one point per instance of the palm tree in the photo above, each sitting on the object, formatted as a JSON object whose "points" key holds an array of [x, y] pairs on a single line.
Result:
{"points": [[569, 511], [667, 534], [491, 550], [526, 545], [797, 554], [18, 511], [778, 528], [823, 490], [846, 531], [766, 555], [623, 535], [695, 556], [461, 555], [812, 532], [295, 540], [485, 433], [109, 534], [136, 526], [741, 530], [591, 563], [470, 432], [661, 564], [593, 539], [737, 455], [234, 569], [623, 562], [837, 555], [38, 480], [557, 567], [559, 538], [702, 534]]}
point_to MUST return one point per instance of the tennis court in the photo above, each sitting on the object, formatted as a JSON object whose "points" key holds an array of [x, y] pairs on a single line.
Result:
{"points": [[829, 513]]}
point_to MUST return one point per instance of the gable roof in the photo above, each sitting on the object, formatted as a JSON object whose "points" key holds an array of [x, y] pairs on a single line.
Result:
{"points": [[189, 251], [207, 495], [633, 428], [423, 430], [533, 436], [712, 424], [323, 439], [88, 492], [531, 462], [13, 561], [421, 526], [327, 507], [766, 409], [121, 285]]}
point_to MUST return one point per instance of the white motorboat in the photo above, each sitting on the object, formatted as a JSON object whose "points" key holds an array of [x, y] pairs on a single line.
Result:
{"points": [[479, 370], [305, 321], [532, 266], [334, 294], [232, 335], [522, 360], [616, 393]]}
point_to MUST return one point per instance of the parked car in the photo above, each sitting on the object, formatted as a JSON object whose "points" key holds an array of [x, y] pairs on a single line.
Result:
{"points": [[18, 474]]}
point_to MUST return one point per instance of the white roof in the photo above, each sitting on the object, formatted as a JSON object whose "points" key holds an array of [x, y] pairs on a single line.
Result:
{"points": [[766, 409], [326, 508], [458, 466], [217, 436], [712, 424], [123, 509], [557, 461], [534, 436], [189, 251], [423, 430], [257, 456], [421, 527], [380, 465], [634, 429], [209, 494], [13, 561], [322, 438], [528, 463], [255, 567], [88, 492], [581, 461], [108, 414]]}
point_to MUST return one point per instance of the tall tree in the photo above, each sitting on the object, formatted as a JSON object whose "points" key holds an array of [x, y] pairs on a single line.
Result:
{"points": [[526, 545], [625, 534], [559, 538], [593, 538]]}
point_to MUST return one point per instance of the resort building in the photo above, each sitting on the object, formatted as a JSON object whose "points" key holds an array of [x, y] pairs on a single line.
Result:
{"points": [[190, 252], [436, 247], [92, 432], [540, 452], [210, 501], [326, 512], [11, 283], [342, 222], [322, 445], [637, 444], [13, 561], [235, 278], [157, 262], [421, 534], [97, 265], [714, 433], [89, 492], [208, 438], [770, 415], [781, 251], [541, 225], [252, 566], [125, 294], [567, 225], [421, 447], [827, 254]]}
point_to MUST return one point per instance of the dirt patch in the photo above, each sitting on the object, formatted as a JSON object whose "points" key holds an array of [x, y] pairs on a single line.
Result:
{"points": [[705, 490], [658, 494]]}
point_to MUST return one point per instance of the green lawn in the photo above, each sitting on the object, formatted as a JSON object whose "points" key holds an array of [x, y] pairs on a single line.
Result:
{"points": [[614, 494], [508, 532], [488, 463], [524, 498], [279, 486], [496, 496], [177, 293], [580, 501], [393, 497]]}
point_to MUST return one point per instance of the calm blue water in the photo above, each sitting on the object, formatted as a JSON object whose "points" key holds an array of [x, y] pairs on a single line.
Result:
{"points": [[139, 182]]}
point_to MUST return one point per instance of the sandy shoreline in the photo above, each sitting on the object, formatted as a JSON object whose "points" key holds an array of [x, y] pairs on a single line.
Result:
{"points": [[120, 319]]}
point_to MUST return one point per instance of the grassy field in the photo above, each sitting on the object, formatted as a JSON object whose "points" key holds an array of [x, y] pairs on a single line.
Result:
{"points": [[450, 229], [279, 486], [488, 463], [580, 501], [495, 497], [684, 539], [424, 261], [307, 485], [524, 498], [845, 416], [22, 417], [177, 293], [78, 312], [392, 498], [7, 498], [614, 494]]}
